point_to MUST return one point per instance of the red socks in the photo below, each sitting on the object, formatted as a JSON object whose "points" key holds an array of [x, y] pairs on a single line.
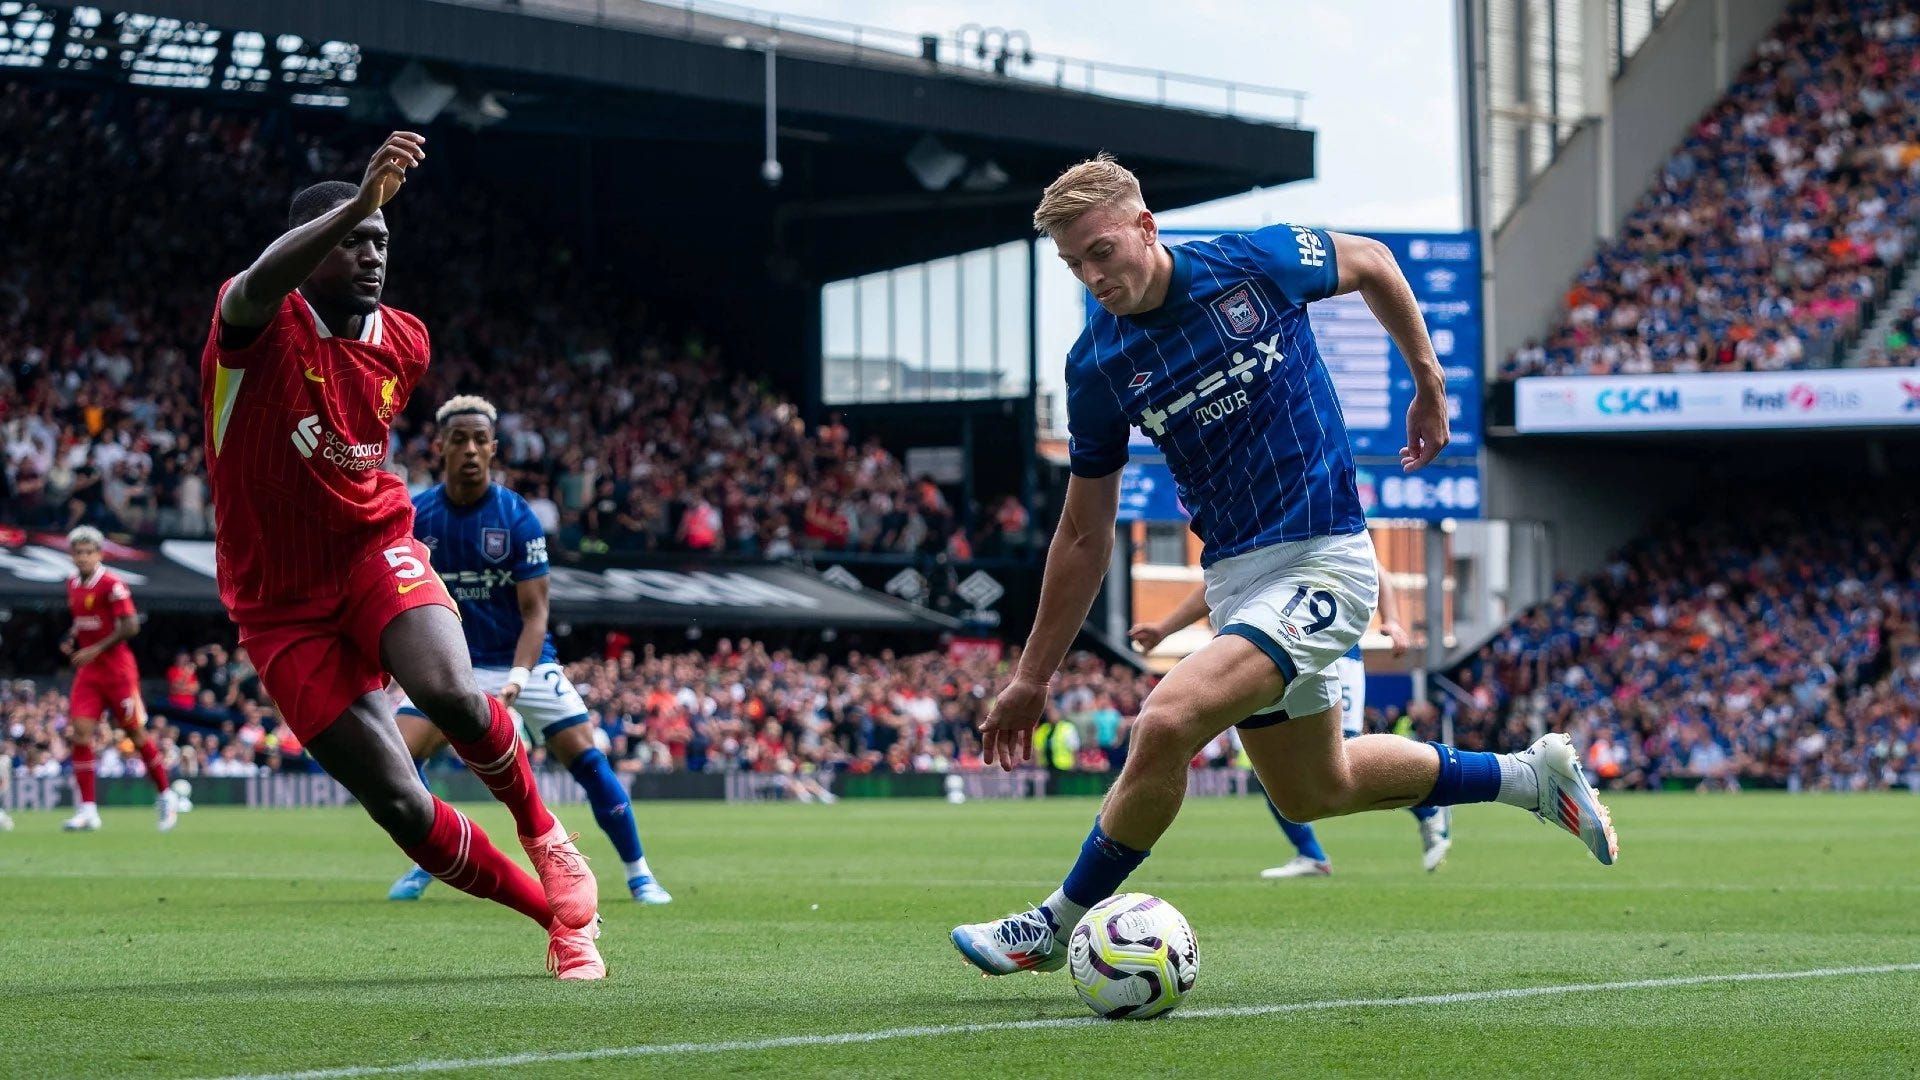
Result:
{"points": [[457, 852], [150, 754], [83, 771], [501, 765]]}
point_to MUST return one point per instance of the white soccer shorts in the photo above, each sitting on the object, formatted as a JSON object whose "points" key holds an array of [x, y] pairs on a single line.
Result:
{"points": [[1353, 695], [1304, 604], [548, 703]]}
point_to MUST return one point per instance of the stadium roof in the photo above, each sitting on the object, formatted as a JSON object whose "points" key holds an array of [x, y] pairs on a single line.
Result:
{"points": [[849, 113]]}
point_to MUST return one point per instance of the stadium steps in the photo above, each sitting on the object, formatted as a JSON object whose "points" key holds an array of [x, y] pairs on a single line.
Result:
{"points": [[1898, 303]]}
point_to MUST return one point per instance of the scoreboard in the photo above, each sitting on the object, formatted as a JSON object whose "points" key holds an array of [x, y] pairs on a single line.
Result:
{"points": [[168, 53]]}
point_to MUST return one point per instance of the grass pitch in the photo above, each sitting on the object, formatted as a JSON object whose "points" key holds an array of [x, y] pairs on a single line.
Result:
{"points": [[253, 942]]}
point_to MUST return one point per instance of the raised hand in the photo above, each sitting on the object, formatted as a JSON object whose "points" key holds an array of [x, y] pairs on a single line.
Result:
{"points": [[388, 169]]}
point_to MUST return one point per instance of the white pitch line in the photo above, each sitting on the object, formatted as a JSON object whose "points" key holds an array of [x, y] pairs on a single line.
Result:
{"points": [[850, 1038]]}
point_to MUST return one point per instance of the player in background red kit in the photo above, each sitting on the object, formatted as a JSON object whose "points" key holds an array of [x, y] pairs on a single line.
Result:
{"points": [[106, 682], [303, 370]]}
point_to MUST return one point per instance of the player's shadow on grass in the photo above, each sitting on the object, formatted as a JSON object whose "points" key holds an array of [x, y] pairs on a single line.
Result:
{"points": [[267, 985]]}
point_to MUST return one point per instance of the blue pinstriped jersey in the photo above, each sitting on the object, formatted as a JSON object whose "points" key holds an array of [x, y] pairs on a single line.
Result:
{"points": [[482, 551], [1226, 379]]}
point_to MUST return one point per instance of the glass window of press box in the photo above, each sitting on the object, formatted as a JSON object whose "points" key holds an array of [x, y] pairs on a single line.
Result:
{"points": [[953, 329]]}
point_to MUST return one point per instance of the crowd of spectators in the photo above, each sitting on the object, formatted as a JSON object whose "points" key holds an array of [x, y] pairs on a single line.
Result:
{"points": [[214, 719], [1765, 642], [118, 215], [740, 707], [1776, 224]]}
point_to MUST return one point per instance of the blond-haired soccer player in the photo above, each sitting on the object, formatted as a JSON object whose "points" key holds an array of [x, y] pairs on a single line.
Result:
{"points": [[1207, 348]]}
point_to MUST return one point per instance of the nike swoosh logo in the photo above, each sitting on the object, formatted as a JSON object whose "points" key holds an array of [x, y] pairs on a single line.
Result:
{"points": [[314, 378], [407, 588]]}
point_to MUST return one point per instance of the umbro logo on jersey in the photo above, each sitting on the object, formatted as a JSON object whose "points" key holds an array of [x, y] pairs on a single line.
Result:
{"points": [[1140, 381]]}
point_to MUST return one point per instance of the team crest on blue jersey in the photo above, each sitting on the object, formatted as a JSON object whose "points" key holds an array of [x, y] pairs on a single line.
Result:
{"points": [[1241, 311], [495, 543]]}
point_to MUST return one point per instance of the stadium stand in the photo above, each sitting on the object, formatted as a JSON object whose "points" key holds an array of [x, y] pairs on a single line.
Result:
{"points": [[659, 446], [1770, 233], [743, 706], [1775, 641], [1900, 347]]}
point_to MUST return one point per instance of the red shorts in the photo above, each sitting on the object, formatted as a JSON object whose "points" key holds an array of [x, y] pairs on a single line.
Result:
{"points": [[317, 657], [108, 690]]}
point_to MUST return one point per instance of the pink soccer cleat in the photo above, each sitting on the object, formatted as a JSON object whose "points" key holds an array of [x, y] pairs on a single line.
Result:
{"points": [[571, 953], [571, 891]]}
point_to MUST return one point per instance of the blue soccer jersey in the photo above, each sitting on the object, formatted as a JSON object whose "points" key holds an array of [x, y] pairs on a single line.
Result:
{"points": [[1226, 379], [482, 551]]}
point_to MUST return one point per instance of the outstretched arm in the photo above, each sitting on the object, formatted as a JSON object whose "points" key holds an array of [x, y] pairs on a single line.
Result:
{"points": [[1366, 265], [1076, 564], [255, 295]]}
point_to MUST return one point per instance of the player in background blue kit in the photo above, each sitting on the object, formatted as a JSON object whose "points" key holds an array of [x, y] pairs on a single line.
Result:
{"points": [[492, 553], [1207, 348], [1310, 859]]}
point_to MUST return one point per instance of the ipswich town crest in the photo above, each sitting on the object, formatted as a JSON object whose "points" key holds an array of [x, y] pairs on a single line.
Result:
{"points": [[1241, 311], [493, 544]]}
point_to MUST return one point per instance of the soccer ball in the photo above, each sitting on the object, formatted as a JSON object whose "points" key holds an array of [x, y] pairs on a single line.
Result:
{"points": [[1133, 956]]}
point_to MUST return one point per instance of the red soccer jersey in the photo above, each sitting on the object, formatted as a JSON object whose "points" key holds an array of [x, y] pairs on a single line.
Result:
{"points": [[296, 434], [95, 605]]}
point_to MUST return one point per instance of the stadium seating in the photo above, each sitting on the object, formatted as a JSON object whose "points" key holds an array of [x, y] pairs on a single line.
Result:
{"points": [[624, 432], [1778, 222], [742, 707], [1753, 640]]}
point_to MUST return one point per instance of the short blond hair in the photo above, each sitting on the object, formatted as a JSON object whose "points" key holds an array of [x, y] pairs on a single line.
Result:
{"points": [[466, 405], [86, 534], [1098, 181]]}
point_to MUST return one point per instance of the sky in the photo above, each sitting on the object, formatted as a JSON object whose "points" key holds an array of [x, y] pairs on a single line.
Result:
{"points": [[1379, 74]]}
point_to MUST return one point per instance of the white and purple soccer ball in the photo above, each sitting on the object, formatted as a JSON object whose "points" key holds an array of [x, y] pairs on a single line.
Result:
{"points": [[1133, 956]]}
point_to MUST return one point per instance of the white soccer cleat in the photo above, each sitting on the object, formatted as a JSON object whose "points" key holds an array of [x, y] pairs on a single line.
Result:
{"points": [[6, 823], [182, 796], [1020, 942], [167, 808], [1298, 866], [83, 820], [1566, 799], [644, 889], [1435, 840]]}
